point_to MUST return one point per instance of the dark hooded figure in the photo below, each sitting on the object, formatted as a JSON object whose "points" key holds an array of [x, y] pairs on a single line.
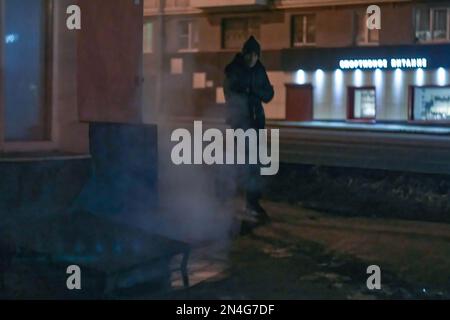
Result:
{"points": [[246, 87]]}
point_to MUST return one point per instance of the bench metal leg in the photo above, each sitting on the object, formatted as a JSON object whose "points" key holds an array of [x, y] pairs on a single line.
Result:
{"points": [[184, 270]]}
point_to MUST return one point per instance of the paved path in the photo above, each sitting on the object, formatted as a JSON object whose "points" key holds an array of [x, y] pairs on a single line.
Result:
{"points": [[305, 254]]}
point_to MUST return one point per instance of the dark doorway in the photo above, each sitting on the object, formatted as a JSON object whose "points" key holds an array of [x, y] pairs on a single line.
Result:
{"points": [[299, 102]]}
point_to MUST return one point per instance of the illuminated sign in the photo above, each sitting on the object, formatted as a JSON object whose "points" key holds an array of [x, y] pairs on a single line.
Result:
{"points": [[403, 63]]}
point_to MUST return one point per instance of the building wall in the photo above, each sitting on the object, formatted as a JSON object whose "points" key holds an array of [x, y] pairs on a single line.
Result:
{"points": [[334, 29], [392, 95], [318, 3], [68, 133], [273, 33], [31, 188], [210, 32], [397, 24], [276, 109]]}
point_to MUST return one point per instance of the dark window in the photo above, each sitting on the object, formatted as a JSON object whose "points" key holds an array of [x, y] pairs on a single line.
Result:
{"points": [[303, 30], [24, 53], [148, 36], [237, 30], [432, 24], [187, 35]]}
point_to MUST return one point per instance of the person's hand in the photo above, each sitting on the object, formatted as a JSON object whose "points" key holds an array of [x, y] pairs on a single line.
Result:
{"points": [[243, 88]]}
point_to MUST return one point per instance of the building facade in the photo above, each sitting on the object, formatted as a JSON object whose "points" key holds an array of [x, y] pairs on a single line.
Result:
{"points": [[322, 59], [38, 79], [70, 100]]}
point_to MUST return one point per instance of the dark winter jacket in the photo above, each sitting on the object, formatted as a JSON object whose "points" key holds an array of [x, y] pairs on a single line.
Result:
{"points": [[245, 89]]}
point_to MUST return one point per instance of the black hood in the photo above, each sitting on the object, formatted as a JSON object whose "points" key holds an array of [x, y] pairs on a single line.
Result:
{"points": [[252, 45], [239, 62]]}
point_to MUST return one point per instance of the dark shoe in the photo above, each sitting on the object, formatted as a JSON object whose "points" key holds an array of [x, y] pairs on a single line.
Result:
{"points": [[258, 212]]}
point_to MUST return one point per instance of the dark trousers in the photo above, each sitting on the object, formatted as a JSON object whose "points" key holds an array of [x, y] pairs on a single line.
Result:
{"points": [[245, 177], [251, 173], [253, 184]]}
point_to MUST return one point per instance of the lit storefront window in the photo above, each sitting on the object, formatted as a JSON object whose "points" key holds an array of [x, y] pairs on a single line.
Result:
{"points": [[362, 103], [431, 103]]}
